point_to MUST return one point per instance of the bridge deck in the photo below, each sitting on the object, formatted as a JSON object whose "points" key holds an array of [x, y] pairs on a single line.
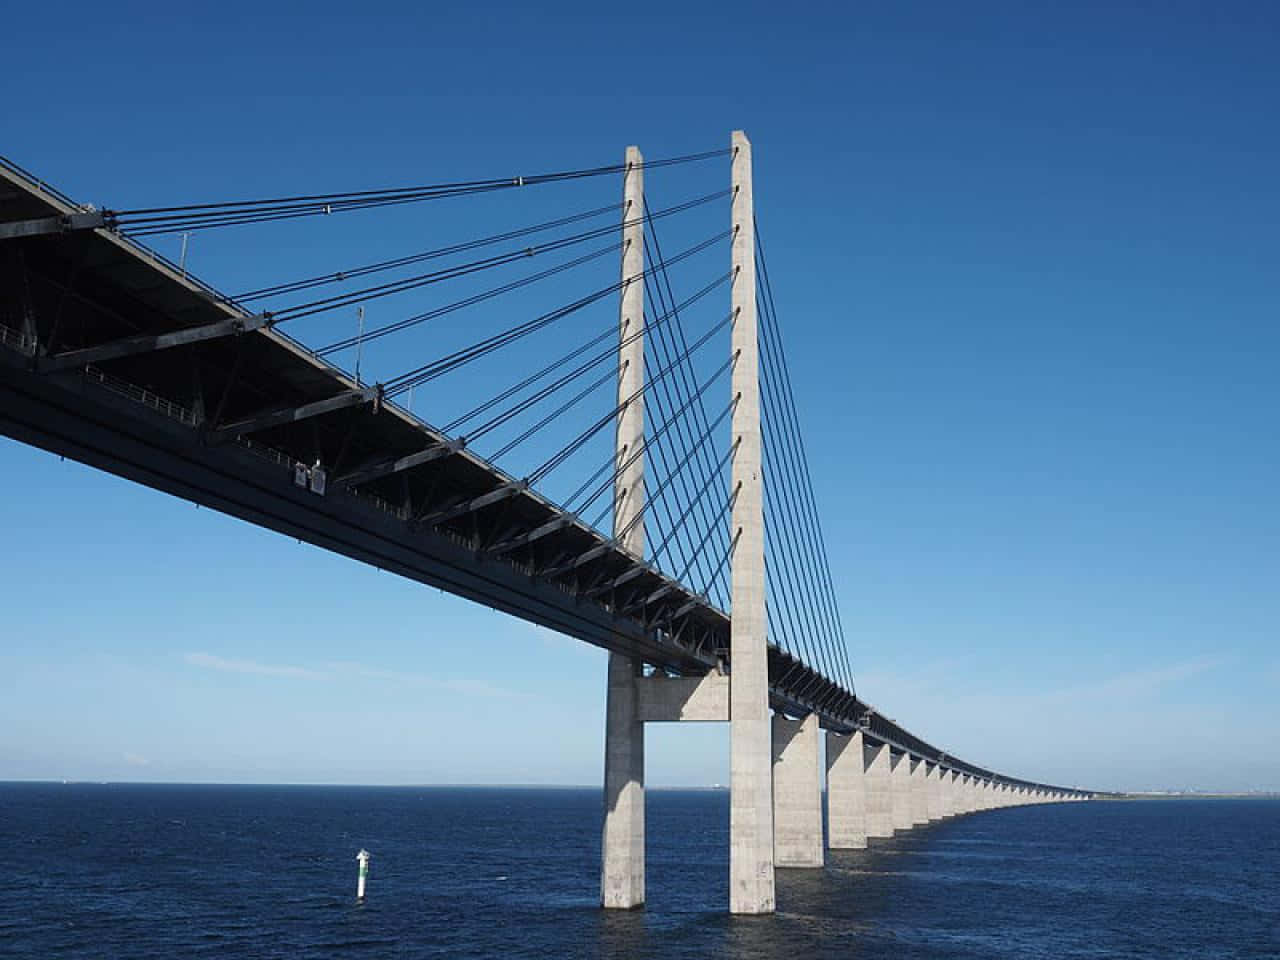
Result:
{"points": [[235, 420]]}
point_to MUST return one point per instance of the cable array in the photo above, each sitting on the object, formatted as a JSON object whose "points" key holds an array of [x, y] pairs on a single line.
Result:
{"points": [[549, 422], [149, 221], [804, 615]]}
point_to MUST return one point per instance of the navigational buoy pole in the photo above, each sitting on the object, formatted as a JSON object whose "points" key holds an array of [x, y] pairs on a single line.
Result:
{"points": [[362, 858]]}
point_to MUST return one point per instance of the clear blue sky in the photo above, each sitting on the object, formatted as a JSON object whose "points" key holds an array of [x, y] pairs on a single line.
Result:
{"points": [[1026, 260]]}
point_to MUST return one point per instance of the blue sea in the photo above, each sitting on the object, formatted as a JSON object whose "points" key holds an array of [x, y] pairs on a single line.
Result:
{"points": [[151, 871]]}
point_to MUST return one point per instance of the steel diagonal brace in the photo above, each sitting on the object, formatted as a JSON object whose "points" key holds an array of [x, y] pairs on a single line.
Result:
{"points": [[642, 603], [277, 418], [388, 467], [476, 503], [636, 569], [149, 343], [586, 557], [691, 605], [537, 533]]}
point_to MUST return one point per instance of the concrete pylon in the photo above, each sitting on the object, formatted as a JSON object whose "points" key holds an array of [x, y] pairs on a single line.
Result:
{"points": [[919, 792], [797, 792], [900, 777], [878, 768], [751, 880], [846, 792], [622, 845]]}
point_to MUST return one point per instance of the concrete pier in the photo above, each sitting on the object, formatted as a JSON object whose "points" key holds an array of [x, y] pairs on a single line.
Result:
{"points": [[919, 792], [878, 767], [751, 882], [846, 792], [622, 843], [933, 790], [797, 792], [900, 777]]}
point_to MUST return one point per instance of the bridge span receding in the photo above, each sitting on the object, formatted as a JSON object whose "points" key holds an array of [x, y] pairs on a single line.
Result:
{"points": [[113, 356]]}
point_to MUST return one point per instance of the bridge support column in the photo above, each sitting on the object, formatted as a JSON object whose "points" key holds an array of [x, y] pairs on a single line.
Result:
{"points": [[622, 845], [846, 792], [878, 767], [901, 779], [797, 792], [951, 783], [919, 792], [751, 888], [933, 787]]}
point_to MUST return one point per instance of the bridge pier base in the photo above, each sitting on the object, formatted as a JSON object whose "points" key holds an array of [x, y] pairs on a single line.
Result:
{"points": [[797, 793], [846, 792], [878, 768]]}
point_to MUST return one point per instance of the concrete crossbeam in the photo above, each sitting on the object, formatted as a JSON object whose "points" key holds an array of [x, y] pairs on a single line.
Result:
{"points": [[663, 699]]}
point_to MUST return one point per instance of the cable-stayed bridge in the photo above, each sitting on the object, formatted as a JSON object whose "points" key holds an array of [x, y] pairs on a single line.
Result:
{"points": [[585, 420]]}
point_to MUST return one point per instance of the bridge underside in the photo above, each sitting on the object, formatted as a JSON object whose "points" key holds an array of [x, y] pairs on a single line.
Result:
{"points": [[113, 357]]}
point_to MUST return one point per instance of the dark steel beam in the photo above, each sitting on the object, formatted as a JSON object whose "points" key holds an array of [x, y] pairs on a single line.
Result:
{"points": [[638, 568], [65, 223], [148, 343], [537, 533], [586, 557], [278, 418], [503, 492], [386, 468]]}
